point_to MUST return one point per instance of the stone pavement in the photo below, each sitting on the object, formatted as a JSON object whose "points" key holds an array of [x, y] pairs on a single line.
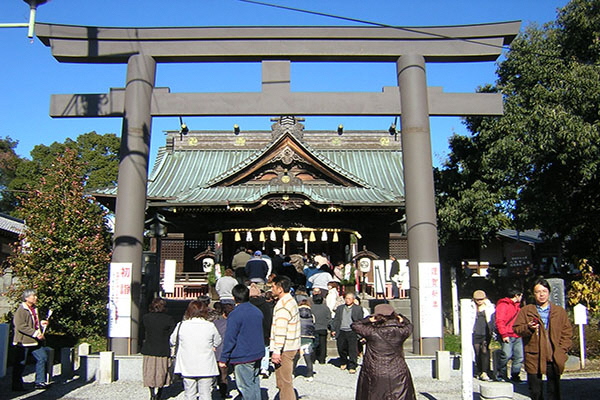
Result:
{"points": [[329, 383]]}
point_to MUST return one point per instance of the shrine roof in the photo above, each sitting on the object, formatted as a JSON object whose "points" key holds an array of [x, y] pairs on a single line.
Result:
{"points": [[218, 168]]}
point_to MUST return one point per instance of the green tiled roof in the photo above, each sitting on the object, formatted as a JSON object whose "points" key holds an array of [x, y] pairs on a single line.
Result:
{"points": [[190, 177]]}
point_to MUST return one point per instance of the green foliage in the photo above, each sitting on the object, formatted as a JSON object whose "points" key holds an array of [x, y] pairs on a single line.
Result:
{"points": [[9, 162], [452, 343], [65, 250], [99, 154], [537, 166], [586, 290]]}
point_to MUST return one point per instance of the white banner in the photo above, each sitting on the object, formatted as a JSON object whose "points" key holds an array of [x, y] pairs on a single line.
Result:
{"points": [[430, 300], [169, 276], [119, 300]]}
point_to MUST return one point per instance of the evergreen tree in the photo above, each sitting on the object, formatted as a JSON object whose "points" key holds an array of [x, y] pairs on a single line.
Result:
{"points": [[538, 165], [65, 251]]}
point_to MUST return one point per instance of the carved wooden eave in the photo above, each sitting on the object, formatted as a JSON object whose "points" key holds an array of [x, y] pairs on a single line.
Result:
{"points": [[287, 152]]}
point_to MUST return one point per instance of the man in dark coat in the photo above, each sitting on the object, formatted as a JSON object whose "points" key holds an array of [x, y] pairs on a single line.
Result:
{"points": [[384, 373], [347, 340], [257, 268], [259, 301], [546, 332], [243, 345]]}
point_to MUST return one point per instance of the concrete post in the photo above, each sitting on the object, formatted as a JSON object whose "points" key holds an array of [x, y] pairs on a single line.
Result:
{"points": [[131, 195], [418, 183], [84, 349], [106, 368], [3, 348], [66, 362], [442, 365]]}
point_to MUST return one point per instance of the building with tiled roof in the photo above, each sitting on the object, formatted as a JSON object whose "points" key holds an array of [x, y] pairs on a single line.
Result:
{"points": [[265, 189]]}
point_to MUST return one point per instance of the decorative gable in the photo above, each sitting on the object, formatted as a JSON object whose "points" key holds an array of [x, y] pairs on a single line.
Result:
{"points": [[287, 161]]}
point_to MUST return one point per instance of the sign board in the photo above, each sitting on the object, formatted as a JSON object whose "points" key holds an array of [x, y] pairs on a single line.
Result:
{"points": [[169, 276], [430, 300], [580, 314], [119, 300]]}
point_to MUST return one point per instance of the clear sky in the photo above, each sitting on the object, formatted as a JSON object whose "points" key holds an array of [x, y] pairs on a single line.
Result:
{"points": [[29, 74]]}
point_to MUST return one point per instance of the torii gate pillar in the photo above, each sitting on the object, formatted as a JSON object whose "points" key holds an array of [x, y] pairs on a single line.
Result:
{"points": [[420, 203], [131, 195]]}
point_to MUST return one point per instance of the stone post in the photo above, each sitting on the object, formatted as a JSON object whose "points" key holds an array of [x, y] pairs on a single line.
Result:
{"points": [[131, 195], [419, 192], [66, 362], [106, 367], [442, 365], [4, 329], [466, 342]]}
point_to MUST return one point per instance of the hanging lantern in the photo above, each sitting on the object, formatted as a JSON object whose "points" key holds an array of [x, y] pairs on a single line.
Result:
{"points": [[312, 237], [324, 236], [299, 236], [272, 237], [261, 237], [335, 237], [249, 236], [237, 237], [286, 236]]}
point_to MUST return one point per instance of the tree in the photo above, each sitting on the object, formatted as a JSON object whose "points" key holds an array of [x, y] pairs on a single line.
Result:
{"points": [[538, 165], [586, 290], [9, 162], [98, 153], [65, 250]]}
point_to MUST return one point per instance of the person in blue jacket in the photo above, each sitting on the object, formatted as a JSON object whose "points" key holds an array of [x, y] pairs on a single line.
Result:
{"points": [[243, 346]]}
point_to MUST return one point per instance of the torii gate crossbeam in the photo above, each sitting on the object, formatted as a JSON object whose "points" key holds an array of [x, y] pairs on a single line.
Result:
{"points": [[276, 48]]}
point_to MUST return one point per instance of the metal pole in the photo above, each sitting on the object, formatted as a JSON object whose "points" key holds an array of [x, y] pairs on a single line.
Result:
{"points": [[31, 24], [131, 195], [420, 199]]}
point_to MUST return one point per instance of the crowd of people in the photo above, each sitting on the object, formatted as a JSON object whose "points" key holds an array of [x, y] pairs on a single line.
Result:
{"points": [[536, 336], [266, 322]]}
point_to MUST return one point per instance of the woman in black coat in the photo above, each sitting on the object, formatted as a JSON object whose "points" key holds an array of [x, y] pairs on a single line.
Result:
{"points": [[156, 349], [384, 373]]}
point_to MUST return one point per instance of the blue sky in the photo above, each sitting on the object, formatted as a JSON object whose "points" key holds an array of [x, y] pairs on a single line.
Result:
{"points": [[29, 74]]}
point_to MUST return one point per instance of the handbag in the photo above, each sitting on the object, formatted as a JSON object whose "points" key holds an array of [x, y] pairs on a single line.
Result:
{"points": [[174, 377]]}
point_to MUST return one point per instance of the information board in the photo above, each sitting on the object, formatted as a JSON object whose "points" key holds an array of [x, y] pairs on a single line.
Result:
{"points": [[119, 304]]}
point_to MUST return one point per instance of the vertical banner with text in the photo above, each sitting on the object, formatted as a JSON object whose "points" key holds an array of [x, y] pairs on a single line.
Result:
{"points": [[430, 299], [119, 300]]}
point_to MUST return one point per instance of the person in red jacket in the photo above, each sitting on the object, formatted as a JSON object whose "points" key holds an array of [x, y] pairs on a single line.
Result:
{"points": [[507, 310]]}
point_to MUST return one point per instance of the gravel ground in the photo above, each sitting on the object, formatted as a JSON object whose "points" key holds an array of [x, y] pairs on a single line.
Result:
{"points": [[329, 383]]}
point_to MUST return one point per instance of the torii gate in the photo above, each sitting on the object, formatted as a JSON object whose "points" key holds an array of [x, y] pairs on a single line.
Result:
{"points": [[276, 48]]}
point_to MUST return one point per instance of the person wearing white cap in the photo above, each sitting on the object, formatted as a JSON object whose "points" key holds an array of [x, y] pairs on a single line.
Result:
{"points": [[482, 311]]}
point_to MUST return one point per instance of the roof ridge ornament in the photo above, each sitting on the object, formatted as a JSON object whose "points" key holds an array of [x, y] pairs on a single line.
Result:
{"points": [[287, 124]]}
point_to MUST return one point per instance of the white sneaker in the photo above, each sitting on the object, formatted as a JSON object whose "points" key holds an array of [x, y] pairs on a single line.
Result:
{"points": [[309, 379], [484, 377]]}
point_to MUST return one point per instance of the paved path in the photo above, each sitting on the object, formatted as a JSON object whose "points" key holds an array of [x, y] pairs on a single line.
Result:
{"points": [[329, 383]]}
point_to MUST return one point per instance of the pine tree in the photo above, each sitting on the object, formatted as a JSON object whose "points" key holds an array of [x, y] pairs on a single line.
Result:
{"points": [[65, 251]]}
